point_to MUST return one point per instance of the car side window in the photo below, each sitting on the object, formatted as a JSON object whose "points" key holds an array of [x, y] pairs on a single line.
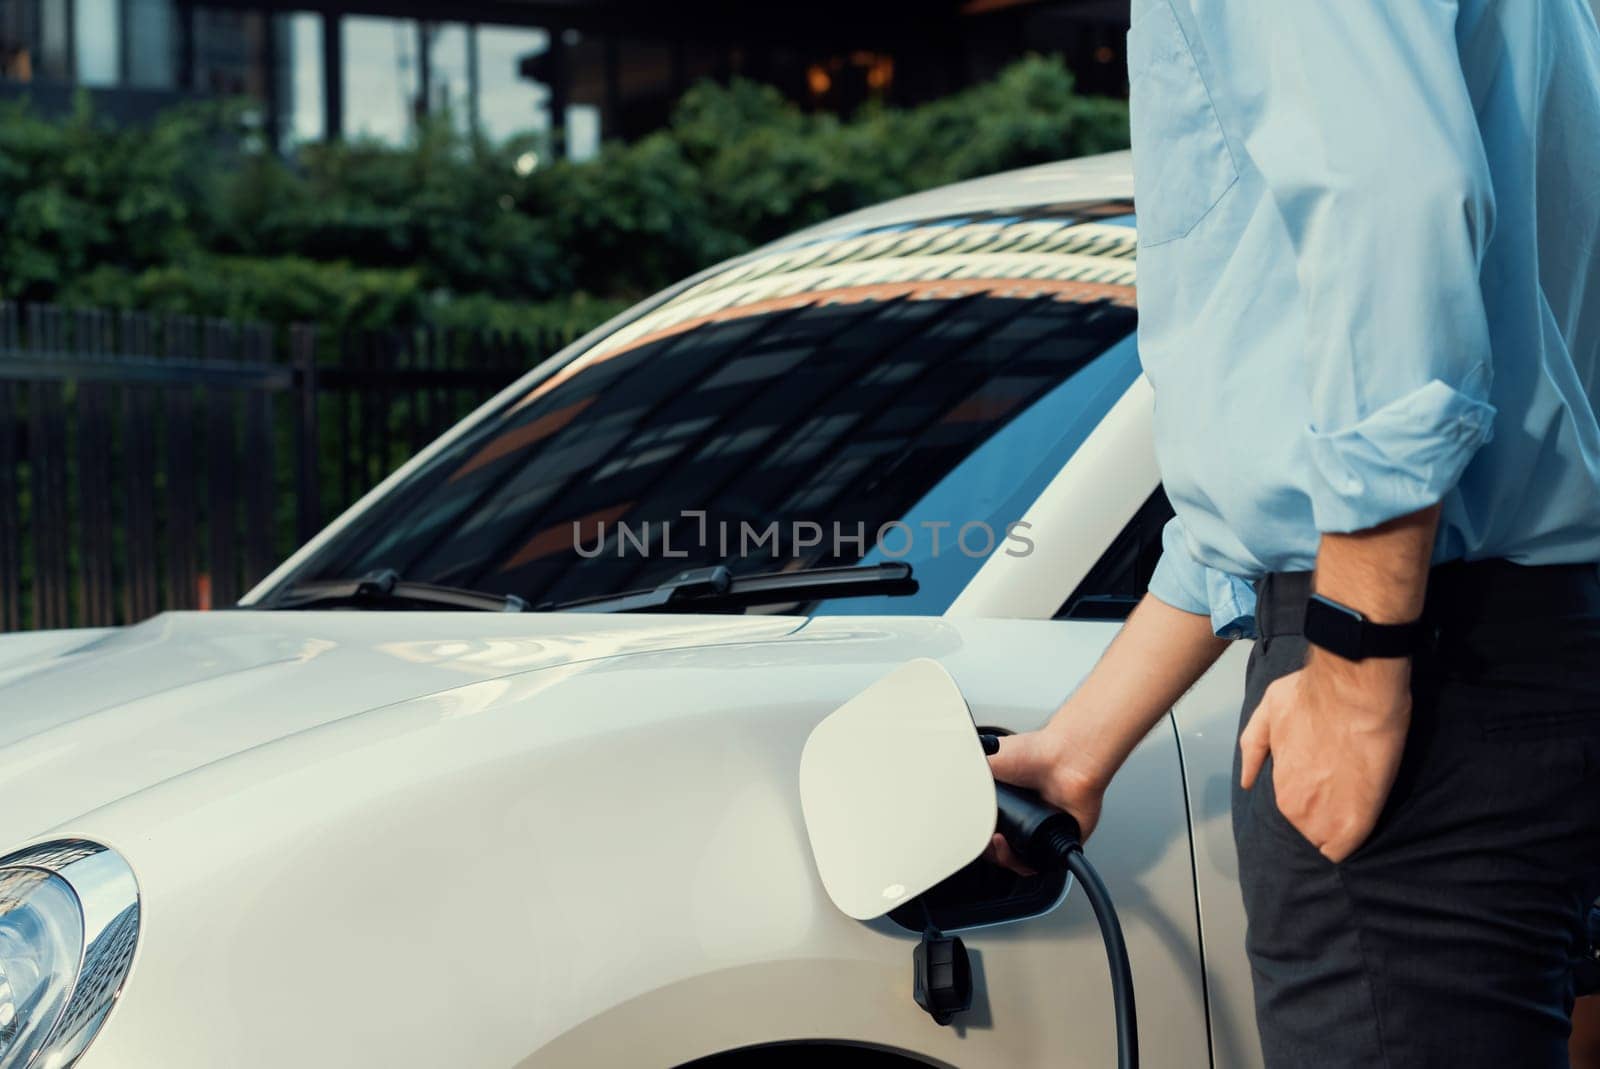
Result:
{"points": [[1122, 574]]}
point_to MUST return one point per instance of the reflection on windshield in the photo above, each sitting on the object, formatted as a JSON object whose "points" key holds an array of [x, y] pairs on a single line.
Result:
{"points": [[818, 404]]}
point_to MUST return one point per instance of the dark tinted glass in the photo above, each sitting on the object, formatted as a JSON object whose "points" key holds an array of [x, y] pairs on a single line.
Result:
{"points": [[931, 375], [1122, 574]]}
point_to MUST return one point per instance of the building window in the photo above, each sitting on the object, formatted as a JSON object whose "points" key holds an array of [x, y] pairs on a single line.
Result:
{"points": [[583, 131], [300, 74], [152, 44], [449, 72], [508, 104], [99, 41], [646, 87], [380, 77], [227, 53], [54, 35], [19, 39]]}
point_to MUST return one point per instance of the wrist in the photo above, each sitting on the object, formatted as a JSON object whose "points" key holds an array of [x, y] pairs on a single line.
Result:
{"points": [[1349, 634], [1368, 668], [1077, 758], [1389, 607], [1373, 687]]}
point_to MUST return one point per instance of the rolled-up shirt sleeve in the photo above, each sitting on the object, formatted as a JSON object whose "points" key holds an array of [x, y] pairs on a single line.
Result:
{"points": [[1190, 586], [1370, 146]]}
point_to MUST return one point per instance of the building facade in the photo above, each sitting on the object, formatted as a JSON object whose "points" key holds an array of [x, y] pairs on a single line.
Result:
{"points": [[584, 70]]}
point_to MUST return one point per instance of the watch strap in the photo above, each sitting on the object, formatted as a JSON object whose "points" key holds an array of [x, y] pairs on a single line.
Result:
{"points": [[1344, 632]]}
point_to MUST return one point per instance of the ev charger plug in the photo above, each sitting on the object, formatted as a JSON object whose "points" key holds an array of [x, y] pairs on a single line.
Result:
{"points": [[1049, 839]]}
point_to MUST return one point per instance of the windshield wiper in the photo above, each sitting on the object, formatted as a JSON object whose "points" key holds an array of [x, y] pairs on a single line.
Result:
{"points": [[717, 588], [384, 589]]}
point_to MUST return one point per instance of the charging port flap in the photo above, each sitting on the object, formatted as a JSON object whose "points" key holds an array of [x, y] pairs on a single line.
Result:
{"points": [[896, 791]]}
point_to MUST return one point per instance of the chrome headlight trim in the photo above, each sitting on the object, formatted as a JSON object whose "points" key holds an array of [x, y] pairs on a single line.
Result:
{"points": [[108, 896]]}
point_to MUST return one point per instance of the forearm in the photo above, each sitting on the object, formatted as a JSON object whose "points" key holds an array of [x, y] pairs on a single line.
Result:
{"points": [[1381, 572], [1158, 655]]}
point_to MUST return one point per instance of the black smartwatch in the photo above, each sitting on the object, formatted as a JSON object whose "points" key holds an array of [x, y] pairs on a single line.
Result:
{"points": [[1343, 631]]}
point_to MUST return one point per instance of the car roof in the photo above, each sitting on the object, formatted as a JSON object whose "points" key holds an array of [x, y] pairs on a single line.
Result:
{"points": [[1104, 177]]}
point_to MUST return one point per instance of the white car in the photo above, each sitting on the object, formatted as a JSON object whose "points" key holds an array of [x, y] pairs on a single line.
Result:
{"points": [[360, 821]]}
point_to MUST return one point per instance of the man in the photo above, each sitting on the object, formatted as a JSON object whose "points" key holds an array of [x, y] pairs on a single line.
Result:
{"points": [[1370, 307]]}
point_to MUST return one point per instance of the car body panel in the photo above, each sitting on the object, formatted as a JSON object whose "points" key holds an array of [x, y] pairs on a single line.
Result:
{"points": [[1107, 176], [571, 858], [129, 709], [1207, 723], [1074, 518], [23, 651]]}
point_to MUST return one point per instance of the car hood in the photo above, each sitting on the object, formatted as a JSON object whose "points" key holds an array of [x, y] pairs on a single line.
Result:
{"points": [[564, 865], [87, 718]]}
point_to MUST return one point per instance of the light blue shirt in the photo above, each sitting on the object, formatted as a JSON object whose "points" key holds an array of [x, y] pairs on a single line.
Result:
{"points": [[1368, 279]]}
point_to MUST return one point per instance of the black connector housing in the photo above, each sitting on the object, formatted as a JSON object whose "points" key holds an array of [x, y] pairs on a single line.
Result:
{"points": [[942, 976], [1038, 833]]}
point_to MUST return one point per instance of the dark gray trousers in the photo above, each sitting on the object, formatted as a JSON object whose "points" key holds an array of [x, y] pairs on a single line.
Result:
{"points": [[1449, 937]]}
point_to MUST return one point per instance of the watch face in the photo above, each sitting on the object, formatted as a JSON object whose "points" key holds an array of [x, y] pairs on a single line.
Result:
{"points": [[1334, 627]]}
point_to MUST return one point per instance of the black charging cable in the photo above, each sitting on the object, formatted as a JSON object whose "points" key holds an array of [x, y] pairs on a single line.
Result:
{"points": [[1047, 838]]}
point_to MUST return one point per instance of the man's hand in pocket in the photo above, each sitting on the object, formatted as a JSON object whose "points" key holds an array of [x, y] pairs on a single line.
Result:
{"points": [[1336, 730]]}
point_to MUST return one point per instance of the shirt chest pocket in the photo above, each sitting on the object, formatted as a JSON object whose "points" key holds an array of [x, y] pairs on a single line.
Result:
{"points": [[1181, 163]]}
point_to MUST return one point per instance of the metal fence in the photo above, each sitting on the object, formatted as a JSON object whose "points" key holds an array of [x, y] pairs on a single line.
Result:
{"points": [[155, 462]]}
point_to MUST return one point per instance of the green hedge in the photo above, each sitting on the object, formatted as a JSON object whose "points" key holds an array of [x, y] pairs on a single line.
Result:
{"points": [[194, 214]]}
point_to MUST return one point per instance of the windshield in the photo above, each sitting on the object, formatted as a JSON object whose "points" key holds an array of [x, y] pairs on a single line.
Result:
{"points": [[901, 393]]}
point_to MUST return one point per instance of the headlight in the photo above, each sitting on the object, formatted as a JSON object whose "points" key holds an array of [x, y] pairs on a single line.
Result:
{"points": [[69, 922], [41, 939]]}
